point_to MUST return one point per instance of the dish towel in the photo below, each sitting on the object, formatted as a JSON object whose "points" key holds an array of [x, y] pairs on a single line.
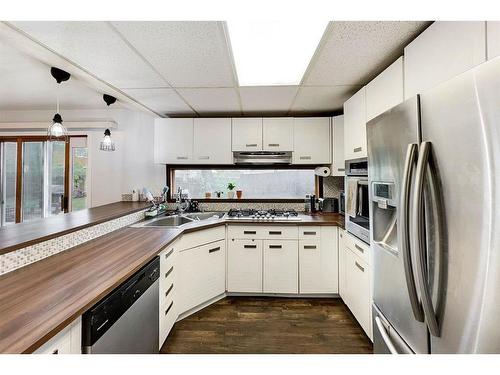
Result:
{"points": [[352, 196]]}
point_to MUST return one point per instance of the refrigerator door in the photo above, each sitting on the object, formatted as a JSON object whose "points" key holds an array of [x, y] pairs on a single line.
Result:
{"points": [[393, 139], [460, 121]]}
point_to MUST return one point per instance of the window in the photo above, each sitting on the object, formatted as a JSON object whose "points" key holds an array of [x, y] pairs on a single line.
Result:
{"points": [[261, 183]]}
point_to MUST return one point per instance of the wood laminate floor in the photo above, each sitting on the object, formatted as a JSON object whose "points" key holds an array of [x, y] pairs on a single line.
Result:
{"points": [[250, 325]]}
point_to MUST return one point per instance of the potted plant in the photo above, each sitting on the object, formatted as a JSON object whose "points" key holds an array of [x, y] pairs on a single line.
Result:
{"points": [[230, 188], [239, 194]]}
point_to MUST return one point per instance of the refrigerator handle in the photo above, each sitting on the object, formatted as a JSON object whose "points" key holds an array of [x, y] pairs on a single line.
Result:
{"points": [[385, 336], [411, 154], [419, 240]]}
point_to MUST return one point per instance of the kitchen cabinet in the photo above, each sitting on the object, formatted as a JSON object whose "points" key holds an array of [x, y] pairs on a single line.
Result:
{"points": [[277, 133], [444, 50], [385, 91], [338, 160], [247, 134], [318, 262], [68, 341], [212, 141], [168, 303], [342, 262], [355, 126], [244, 266], [493, 39], [173, 140], [312, 140], [202, 274], [280, 266]]}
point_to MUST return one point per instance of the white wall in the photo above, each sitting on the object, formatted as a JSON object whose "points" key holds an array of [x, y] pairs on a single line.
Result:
{"points": [[131, 166]]}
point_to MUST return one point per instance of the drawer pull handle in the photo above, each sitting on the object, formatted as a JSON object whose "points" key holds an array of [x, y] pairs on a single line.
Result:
{"points": [[309, 233], [169, 253], [341, 169], [359, 248], [203, 157], [169, 307], [214, 249], [305, 158], [359, 266], [249, 246], [275, 246], [169, 290], [251, 145], [55, 351], [309, 246], [249, 232], [341, 236], [169, 272], [278, 232], [358, 149], [182, 157], [273, 144]]}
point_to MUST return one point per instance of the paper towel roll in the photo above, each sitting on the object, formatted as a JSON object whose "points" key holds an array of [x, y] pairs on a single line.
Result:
{"points": [[322, 171]]}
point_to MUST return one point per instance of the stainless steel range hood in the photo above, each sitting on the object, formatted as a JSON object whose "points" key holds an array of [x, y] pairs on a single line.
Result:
{"points": [[262, 157]]}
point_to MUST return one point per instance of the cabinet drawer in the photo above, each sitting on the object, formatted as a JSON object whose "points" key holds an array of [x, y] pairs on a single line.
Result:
{"points": [[190, 240], [310, 233], [244, 266], [245, 231], [167, 277], [358, 247], [280, 232]]}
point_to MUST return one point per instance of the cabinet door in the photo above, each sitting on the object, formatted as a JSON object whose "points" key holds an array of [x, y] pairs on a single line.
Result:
{"points": [[338, 160], [212, 141], [281, 261], [312, 140], [168, 292], [342, 263], [68, 341], [355, 126], [493, 38], [202, 274], [278, 133], [173, 142], [247, 134], [444, 50], [385, 91], [244, 266]]}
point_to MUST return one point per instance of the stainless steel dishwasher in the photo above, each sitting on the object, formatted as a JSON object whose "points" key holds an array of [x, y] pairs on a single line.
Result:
{"points": [[126, 321]]}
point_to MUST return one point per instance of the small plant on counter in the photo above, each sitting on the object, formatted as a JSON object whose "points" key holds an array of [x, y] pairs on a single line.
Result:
{"points": [[230, 187]]}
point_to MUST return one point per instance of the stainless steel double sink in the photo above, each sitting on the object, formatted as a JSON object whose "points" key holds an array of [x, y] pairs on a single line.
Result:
{"points": [[177, 221]]}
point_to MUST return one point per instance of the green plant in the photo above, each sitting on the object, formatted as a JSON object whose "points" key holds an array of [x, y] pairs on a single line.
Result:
{"points": [[231, 186]]}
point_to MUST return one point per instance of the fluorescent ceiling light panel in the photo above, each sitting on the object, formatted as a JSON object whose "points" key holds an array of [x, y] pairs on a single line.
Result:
{"points": [[273, 52]]}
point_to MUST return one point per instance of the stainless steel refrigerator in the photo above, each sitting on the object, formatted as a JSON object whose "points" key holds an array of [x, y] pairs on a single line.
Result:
{"points": [[435, 218]]}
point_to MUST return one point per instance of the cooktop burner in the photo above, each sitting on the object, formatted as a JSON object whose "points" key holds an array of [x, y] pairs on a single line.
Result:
{"points": [[251, 214]]}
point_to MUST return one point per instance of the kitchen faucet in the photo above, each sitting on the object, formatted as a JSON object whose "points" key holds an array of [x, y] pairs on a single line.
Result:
{"points": [[181, 206]]}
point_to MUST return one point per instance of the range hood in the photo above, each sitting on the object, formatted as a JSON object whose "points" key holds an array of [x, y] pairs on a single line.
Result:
{"points": [[262, 157]]}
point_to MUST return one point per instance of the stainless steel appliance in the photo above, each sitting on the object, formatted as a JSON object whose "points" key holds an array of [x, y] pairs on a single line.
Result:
{"points": [[357, 213], [342, 202], [262, 157], [263, 215], [127, 320], [435, 238]]}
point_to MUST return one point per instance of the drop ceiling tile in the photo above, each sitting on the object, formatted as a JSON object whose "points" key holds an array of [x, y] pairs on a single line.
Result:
{"points": [[354, 52], [164, 101], [96, 47], [322, 99], [267, 99], [211, 101], [187, 54]]}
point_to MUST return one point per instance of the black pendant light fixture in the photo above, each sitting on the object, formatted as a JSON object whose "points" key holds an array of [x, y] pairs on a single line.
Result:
{"points": [[57, 131], [107, 143]]}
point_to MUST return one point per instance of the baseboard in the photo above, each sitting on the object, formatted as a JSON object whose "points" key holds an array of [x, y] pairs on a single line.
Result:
{"points": [[283, 295]]}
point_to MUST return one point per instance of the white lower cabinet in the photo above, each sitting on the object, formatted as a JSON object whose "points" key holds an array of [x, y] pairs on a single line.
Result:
{"points": [[318, 262], [168, 292], [281, 266], [68, 341], [202, 274], [244, 266], [342, 261]]}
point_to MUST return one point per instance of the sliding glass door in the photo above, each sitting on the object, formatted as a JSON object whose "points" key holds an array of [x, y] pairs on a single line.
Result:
{"points": [[8, 181]]}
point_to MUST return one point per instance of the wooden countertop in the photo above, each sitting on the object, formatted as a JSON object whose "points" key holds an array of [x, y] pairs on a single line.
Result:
{"points": [[13, 237], [39, 300]]}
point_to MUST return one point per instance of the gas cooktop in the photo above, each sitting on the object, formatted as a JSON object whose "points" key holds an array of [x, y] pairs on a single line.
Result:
{"points": [[263, 215]]}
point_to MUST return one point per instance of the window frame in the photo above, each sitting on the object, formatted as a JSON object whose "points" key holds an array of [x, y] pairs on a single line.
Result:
{"points": [[170, 170]]}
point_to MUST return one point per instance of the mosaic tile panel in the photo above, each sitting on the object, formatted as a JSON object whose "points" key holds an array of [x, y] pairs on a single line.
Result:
{"points": [[30, 254]]}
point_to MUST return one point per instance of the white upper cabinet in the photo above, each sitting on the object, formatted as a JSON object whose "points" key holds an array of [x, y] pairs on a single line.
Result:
{"points": [[173, 140], [385, 91], [338, 161], [247, 134], [355, 126], [212, 141], [312, 140], [277, 134], [442, 51], [493, 38]]}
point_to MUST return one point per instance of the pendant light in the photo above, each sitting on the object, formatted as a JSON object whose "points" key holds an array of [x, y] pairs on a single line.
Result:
{"points": [[57, 131], [107, 143]]}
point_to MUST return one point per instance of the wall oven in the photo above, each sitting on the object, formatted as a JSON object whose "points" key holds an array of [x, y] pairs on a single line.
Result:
{"points": [[357, 214]]}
